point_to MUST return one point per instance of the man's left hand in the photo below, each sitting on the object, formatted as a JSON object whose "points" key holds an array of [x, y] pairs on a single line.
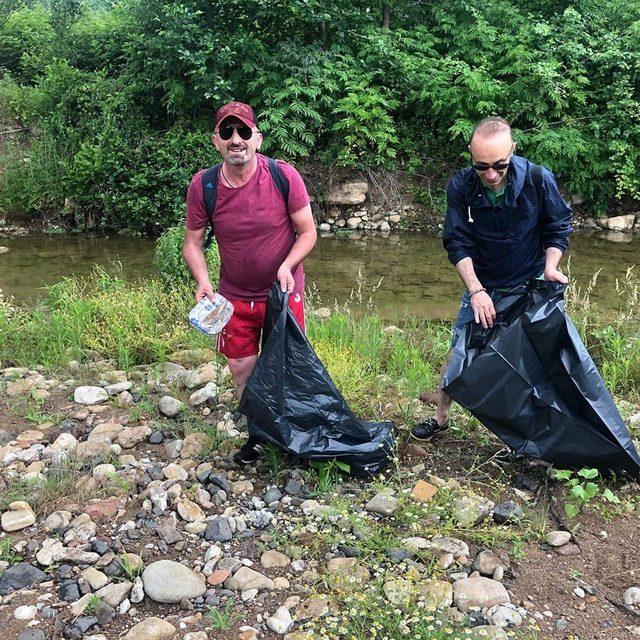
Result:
{"points": [[285, 278], [553, 275]]}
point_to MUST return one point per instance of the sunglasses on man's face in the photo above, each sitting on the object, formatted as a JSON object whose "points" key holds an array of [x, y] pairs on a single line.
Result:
{"points": [[226, 131], [496, 166]]}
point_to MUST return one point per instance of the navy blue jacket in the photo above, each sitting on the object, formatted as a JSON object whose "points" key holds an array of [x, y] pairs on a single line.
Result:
{"points": [[506, 241]]}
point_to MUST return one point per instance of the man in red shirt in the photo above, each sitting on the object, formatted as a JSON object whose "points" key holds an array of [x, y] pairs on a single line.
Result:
{"points": [[261, 238]]}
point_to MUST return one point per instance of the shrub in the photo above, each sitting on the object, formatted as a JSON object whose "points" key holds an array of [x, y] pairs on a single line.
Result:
{"points": [[168, 261]]}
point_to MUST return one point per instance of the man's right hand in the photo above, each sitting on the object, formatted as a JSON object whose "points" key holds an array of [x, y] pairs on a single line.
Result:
{"points": [[483, 309], [204, 290]]}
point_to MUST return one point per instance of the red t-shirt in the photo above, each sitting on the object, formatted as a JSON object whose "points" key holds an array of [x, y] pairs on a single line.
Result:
{"points": [[253, 229]]}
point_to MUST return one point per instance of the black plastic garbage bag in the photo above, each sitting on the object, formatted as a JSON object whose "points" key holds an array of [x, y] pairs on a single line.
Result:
{"points": [[291, 401], [531, 381]]}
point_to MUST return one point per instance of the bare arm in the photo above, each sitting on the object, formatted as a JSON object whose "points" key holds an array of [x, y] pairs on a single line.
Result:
{"points": [[553, 255], [306, 230], [481, 303], [193, 255]]}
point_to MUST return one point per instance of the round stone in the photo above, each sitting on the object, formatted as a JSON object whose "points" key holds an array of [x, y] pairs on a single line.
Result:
{"points": [[557, 538], [168, 581]]}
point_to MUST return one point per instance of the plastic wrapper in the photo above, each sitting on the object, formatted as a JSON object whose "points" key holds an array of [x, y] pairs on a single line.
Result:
{"points": [[211, 316]]}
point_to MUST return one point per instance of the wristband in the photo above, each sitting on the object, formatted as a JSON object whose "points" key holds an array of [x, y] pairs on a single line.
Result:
{"points": [[473, 293]]}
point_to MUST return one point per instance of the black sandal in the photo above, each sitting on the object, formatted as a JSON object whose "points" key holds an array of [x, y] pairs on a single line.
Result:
{"points": [[426, 430]]}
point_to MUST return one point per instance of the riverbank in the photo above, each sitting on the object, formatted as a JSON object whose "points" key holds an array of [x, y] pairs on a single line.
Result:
{"points": [[116, 461]]}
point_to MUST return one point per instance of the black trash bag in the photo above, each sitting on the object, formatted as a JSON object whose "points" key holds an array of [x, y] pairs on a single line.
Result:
{"points": [[291, 401], [531, 381]]}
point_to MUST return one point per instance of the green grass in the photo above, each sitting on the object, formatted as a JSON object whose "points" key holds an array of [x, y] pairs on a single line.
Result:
{"points": [[221, 619], [7, 554], [59, 484], [133, 323]]}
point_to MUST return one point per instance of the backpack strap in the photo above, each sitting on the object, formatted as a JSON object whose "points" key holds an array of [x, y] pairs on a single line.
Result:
{"points": [[210, 179], [280, 180], [536, 176]]}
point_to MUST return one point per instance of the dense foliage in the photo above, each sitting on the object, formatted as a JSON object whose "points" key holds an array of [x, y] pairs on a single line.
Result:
{"points": [[119, 94], [167, 259]]}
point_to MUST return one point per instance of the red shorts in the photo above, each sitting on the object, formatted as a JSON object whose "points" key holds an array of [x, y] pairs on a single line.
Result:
{"points": [[241, 336]]}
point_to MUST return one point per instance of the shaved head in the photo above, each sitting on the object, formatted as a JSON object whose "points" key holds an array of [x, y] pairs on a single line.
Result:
{"points": [[492, 126], [491, 146]]}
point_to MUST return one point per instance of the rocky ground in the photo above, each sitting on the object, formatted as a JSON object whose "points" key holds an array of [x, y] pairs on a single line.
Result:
{"points": [[123, 515]]}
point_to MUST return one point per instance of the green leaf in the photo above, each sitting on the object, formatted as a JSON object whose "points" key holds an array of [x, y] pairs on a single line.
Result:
{"points": [[571, 509], [588, 474], [343, 466], [579, 492], [609, 496], [591, 490]]}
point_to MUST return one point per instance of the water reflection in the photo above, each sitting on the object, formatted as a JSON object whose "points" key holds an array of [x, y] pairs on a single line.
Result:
{"points": [[417, 277]]}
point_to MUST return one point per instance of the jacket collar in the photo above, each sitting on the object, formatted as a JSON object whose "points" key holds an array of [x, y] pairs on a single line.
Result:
{"points": [[515, 181]]}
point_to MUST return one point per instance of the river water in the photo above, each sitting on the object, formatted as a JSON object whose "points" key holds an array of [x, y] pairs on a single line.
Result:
{"points": [[417, 277]]}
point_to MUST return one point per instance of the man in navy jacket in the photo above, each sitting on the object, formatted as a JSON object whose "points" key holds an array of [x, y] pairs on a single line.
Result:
{"points": [[506, 223]]}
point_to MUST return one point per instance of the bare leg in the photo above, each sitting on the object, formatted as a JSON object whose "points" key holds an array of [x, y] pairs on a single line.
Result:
{"points": [[444, 401], [241, 369]]}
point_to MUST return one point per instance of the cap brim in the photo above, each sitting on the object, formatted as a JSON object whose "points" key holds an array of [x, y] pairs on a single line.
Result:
{"points": [[242, 119]]}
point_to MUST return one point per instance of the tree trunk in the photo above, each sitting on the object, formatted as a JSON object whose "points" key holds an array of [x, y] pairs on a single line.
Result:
{"points": [[386, 15]]}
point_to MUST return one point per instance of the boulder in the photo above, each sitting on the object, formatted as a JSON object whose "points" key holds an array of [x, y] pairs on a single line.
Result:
{"points": [[348, 193]]}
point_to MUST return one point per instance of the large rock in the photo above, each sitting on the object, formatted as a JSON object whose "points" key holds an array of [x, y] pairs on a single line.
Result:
{"points": [[348, 193], [170, 406], [271, 559], [280, 621], [478, 592], [20, 576], [218, 530], [194, 445], [246, 578], [114, 594], [90, 395], [190, 511], [151, 629], [437, 594], [618, 223], [488, 561], [383, 504], [168, 581], [105, 432], [130, 437], [19, 516], [19, 387], [557, 538], [471, 509], [340, 568], [208, 392], [631, 597]]}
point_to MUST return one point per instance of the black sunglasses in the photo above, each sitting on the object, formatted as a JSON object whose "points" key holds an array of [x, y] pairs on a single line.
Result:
{"points": [[496, 166], [243, 131]]}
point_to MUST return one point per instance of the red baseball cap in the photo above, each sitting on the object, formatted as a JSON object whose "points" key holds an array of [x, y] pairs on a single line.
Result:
{"points": [[239, 110]]}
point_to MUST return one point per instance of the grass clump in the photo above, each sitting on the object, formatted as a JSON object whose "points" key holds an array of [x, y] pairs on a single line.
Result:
{"points": [[131, 322], [7, 552], [60, 483], [222, 619]]}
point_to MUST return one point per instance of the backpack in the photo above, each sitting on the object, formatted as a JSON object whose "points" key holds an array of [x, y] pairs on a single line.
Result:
{"points": [[210, 180]]}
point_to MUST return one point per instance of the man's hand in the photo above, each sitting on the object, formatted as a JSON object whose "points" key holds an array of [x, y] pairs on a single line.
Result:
{"points": [[553, 275], [483, 309], [285, 278], [204, 290]]}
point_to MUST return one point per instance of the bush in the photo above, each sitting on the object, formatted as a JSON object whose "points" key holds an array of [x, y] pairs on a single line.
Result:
{"points": [[168, 261]]}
